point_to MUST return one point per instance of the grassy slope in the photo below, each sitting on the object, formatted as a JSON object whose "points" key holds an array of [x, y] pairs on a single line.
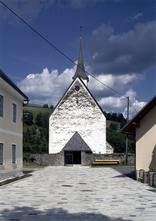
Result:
{"points": [[35, 109], [108, 122]]}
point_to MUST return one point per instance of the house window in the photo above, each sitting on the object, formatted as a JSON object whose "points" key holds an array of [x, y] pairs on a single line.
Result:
{"points": [[1, 154], [1, 106], [13, 153], [14, 117]]}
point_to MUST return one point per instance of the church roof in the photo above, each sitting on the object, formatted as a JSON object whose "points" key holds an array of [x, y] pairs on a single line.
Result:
{"points": [[80, 71], [76, 143]]}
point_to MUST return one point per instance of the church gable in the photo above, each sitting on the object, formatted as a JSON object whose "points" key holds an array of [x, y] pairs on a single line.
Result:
{"points": [[77, 121], [77, 111], [79, 95]]}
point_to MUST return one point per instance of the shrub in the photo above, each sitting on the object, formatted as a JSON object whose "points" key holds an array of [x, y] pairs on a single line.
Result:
{"points": [[28, 158]]}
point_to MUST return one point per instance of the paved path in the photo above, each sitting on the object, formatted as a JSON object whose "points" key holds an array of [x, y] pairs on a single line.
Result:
{"points": [[77, 194]]}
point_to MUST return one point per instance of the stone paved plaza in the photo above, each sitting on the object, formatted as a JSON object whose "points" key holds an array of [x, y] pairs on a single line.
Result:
{"points": [[77, 193]]}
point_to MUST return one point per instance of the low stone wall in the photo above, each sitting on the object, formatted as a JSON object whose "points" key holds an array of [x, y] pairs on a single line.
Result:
{"points": [[147, 177], [49, 159], [86, 158]]}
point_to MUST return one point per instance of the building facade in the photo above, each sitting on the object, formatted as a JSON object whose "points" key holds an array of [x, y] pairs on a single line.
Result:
{"points": [[11, 128], [143, 125], [77, 126]]}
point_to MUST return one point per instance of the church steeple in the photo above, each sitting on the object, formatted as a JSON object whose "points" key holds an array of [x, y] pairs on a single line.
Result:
{"points": [[80, 71]]}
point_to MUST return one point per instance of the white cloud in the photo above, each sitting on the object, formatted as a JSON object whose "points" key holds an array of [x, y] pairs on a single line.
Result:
{"points": [[134, 105], [137, 16], [46, 87], [116, 82], [119, 104]]}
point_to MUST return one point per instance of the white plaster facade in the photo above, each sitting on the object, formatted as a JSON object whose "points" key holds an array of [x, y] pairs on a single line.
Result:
{"points": [[77, 111], [146, 141], [143, 125]]}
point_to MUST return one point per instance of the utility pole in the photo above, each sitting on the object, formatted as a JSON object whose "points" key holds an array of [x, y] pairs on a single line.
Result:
{"points": [[126, 160]]}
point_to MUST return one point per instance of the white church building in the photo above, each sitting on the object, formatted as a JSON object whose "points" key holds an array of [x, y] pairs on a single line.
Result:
{"points": [[77, 126]]}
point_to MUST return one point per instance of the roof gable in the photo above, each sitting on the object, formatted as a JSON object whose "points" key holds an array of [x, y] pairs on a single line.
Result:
{"points": [[76, 143], [71, 89]]}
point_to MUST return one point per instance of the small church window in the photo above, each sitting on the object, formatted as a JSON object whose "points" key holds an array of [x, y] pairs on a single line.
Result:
{"points": [[77, 87]]}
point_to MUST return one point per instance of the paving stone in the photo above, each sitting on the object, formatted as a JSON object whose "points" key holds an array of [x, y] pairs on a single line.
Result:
{"points": [[77, 193]]}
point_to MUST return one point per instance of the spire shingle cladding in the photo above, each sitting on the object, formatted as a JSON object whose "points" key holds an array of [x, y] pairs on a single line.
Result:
{"points": [[80, 71], [76, 143]]}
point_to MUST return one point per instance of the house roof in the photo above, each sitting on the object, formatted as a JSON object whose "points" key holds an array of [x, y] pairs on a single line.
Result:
{"points": [[80, 71], [7, 79], [131, 126], [76, 143]]}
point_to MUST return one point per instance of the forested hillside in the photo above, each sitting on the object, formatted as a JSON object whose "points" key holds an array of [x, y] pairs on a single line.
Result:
{"points": [[114, 124], [36, 130]]}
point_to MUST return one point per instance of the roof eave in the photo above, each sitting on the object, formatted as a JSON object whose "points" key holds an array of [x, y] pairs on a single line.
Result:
{"points": [[134, 123], [8, 80]]}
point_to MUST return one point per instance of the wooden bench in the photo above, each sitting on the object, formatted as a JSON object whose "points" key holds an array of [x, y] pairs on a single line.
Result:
{"points": [[106, 162]]}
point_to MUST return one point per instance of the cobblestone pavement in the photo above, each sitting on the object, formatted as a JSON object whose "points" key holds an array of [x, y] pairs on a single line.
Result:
{"points": [[77, 193]]}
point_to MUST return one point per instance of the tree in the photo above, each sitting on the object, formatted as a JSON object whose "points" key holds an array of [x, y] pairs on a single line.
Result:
{"points": [[38, 119], [113, 126], [122, 124], [121, 118], [116, 139], [114, 117], [42, 120], [45, 105], [27, 117]]}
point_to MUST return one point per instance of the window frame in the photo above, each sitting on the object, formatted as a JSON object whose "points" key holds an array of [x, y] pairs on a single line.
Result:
{"points": [[3, 105], [14, 154], [14, 115], [2, 153]]}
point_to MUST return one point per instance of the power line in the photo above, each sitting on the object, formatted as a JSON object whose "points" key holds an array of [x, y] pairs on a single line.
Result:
{"points": [[56, 47], [61, 51], [133, 107], [37, 33], [106, 85]]}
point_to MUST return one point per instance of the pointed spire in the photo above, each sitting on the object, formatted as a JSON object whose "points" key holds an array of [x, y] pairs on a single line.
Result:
{"points": [[80, 71]]}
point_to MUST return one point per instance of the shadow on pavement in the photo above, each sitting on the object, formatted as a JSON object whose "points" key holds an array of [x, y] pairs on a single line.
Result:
{"points": [[126, 171], [27, 171], [29, 213], [30, 170], [152, 190]]}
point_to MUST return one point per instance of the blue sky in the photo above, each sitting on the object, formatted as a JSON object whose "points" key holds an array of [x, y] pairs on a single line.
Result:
{"points": [[118, 43]]}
